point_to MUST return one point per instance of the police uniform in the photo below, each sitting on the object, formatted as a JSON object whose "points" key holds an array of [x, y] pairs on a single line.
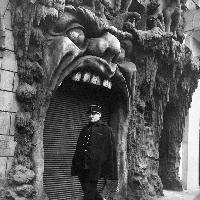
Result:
{"points": [[95, 157]]}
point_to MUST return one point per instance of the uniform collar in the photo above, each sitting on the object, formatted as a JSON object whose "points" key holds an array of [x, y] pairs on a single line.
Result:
{"points": [[98, 123]]}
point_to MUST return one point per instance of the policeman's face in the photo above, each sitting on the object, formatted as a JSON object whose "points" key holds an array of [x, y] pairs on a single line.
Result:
{"points": [[94, 117]]}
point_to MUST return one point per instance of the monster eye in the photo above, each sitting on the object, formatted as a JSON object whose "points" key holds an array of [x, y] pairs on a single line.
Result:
{"points": [[77, 36]]}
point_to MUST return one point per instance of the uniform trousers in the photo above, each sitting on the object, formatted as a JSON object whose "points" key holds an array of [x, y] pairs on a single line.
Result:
{"points": [[89, 187]]}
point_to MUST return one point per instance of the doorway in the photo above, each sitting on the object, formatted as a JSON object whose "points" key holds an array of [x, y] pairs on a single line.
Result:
{"points": [[65, 118]]}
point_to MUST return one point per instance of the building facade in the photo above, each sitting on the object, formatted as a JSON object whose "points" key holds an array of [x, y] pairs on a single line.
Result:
{"points": [[56, 59]]}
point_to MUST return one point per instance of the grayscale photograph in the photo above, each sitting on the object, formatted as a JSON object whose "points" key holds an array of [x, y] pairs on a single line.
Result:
{"points": [[99, 99]]}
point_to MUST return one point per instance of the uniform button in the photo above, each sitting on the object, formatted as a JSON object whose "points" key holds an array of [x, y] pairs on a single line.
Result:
{"points": [[85, 150]]}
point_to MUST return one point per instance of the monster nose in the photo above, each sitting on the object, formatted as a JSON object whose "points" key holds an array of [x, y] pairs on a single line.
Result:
{"points": [[107, 47]]}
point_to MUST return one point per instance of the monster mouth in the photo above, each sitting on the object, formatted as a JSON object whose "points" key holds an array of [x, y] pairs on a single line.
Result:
{"points": [[91, 69], [95, 71]]}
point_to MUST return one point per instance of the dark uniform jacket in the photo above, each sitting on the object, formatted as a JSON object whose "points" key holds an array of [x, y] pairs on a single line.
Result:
{"points": [[95, 151]]}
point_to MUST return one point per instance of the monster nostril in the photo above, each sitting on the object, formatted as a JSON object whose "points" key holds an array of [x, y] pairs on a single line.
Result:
{"points": [[115, 58], [110, 56]]}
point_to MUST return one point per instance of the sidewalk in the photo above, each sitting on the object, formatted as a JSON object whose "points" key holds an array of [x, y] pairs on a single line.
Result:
{"points": [[185, 195]]}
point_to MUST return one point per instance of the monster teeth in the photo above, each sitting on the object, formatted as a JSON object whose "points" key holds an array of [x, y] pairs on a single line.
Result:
{"points": [[76, 77], [86, 77], [107, 84], [95, 80]]}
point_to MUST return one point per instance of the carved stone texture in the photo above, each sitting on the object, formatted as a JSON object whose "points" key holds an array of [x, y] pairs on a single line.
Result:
{"points": [[52, 44], [160, 82], [170, 144], [167, 15], [25, 190], [49, 52], [20, 174]]}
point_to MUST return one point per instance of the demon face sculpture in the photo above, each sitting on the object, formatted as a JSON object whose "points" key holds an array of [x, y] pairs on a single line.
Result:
{"points": [[82, 46], [59, 47], [85, 49]]}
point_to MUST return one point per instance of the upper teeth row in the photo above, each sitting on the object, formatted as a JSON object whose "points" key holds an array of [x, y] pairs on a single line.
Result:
{"points": [[88, 77]]}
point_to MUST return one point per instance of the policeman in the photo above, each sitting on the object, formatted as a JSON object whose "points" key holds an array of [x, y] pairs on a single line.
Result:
{"points": [[95, 155]]}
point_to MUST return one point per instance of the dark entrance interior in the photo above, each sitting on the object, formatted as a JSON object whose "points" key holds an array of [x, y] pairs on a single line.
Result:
{"points": [[65, 118], [164, 145]]}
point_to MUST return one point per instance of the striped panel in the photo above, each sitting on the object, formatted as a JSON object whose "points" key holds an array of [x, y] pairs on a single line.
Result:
{"points": [[65, 118]]}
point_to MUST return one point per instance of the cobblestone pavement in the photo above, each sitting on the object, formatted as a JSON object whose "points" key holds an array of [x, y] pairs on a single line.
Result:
{"points": [[185, 195]]}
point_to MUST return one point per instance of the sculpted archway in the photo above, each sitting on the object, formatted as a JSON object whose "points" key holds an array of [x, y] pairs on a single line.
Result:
{"points": [[98, 43], [77, 47], [80, 46]]}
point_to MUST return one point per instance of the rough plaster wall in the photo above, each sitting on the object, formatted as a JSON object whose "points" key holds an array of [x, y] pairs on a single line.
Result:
{"points": [[144, 159], [159, 82], [8, 85]]}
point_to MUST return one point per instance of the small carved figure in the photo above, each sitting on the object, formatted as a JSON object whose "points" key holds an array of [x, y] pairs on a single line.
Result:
{"points": [[155, 16], [172, 14], [164, 14]]}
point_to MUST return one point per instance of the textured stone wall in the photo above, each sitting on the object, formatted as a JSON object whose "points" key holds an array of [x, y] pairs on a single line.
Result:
{"points": [[165, 83], [8, 85], [165, 75]]}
